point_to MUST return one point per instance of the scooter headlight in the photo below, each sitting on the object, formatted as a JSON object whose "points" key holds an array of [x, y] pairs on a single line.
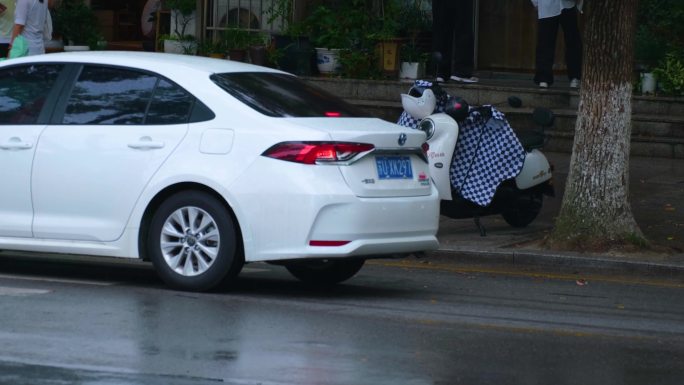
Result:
{"points": [[428, 127]]}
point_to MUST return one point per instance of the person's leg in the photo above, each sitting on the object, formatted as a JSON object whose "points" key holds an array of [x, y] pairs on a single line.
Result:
{"points": [[547, 29], [573, 43], [465, 40], [443, 36], [4, 47]]}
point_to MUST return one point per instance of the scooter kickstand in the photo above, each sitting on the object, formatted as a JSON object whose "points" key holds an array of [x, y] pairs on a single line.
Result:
{"points": [[483, 231]]}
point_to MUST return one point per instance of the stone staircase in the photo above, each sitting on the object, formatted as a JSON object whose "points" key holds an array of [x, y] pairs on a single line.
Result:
{"points": [[657, 122]]}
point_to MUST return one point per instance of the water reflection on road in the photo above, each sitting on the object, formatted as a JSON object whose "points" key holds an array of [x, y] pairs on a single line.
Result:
{"points": [[390, 325]]}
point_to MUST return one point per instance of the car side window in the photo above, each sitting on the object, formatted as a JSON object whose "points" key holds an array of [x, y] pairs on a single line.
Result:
{"points": [[107, 95], [23, 91], [170, 105]]}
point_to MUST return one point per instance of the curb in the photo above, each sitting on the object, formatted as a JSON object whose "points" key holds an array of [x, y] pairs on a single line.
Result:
{"points": [[562, 261]]}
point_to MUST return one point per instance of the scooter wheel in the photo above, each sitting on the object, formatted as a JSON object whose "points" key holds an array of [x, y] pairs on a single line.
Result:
{"points": [[524, 210]]}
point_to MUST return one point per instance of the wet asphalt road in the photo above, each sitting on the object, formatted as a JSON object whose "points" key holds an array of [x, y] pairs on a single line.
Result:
{"points": [[397, 322]]}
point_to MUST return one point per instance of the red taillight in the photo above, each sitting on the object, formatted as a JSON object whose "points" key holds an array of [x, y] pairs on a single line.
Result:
{"points": [[333, 114], [328, 243], [315, 152], [426, 147]]}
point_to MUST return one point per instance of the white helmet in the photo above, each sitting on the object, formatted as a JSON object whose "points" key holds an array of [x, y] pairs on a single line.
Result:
{"points": [[419, 106]]}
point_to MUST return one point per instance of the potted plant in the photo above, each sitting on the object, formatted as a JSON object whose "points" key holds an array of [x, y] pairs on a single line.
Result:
{"points": [[387, 37], [670, 74], [183, 12], [327, 35], [258, 48], [661, 31], [335, 28], [290, 50], [209, 48], [77, 24], [412, 62], [412, 17], [293, 50], [648, 51], [413, 21], [236, 41]]}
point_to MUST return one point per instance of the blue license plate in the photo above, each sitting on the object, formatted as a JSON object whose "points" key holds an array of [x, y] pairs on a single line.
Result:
{"points": [[394, 167]]}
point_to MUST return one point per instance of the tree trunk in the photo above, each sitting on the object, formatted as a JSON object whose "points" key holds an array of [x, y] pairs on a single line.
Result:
{"points": [[595, 213]]}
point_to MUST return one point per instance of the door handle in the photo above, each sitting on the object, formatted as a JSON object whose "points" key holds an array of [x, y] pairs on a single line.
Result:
{"points": [[15, 143], [146, 143]]}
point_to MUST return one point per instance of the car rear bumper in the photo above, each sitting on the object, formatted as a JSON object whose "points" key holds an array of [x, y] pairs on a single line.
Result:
{"points": [[371, 227]]}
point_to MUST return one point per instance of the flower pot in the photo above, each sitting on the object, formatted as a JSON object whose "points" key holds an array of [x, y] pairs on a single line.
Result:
{"points": [[173, 46], [297, 55], [76, 48], [188, 47], [648, 83], [328, 61], [257, 55], [410, 70], [237, 55], [54, 45]]}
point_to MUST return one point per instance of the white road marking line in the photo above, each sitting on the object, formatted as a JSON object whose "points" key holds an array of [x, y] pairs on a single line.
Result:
{"points": [[57, 280], [20, 291]]}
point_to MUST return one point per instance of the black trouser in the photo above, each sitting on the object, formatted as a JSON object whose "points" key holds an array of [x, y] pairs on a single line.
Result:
{"points": [[546, 45], [453, 36], [4, 47]]}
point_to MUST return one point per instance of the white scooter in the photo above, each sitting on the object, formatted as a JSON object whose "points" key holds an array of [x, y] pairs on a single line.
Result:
{"points": [[478, 164]]}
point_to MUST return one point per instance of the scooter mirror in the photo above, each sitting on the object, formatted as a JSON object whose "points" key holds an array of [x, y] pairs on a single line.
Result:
{"points": [[457, 108], [514, 102], [543, 116]]}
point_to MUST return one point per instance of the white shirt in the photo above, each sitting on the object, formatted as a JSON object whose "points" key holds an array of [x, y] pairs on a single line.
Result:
{"points": [[553, 8], [32, 14]]}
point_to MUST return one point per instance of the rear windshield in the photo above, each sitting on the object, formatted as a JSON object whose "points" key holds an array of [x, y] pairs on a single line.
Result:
{"points": [[282, 95]]}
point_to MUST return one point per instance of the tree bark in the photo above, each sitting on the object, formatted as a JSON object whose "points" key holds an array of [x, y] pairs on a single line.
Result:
{"points": [[595, 213]]}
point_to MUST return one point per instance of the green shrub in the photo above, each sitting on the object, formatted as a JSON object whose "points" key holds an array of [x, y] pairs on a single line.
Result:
{"points": [[670, 74], [661, 30], [77, 23]]}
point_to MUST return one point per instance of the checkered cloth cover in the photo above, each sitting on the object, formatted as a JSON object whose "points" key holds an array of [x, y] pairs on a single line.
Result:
{"points": [[487, 153]]}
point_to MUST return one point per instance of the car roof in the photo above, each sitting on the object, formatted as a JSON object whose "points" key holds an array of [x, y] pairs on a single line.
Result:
{"points": [[154, 61]]}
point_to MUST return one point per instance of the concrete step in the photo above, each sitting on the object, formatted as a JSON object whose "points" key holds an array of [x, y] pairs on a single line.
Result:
{"points": [[493, 92], [657, 122]]}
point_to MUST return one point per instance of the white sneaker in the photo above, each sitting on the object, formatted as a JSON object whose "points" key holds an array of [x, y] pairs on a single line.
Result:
{"points": [[471, 79], [574, 83], [543, 85], [439, 79]]}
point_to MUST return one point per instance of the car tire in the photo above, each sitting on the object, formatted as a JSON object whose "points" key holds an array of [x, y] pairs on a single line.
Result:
{"points": [[324, 272], [193, 243]]}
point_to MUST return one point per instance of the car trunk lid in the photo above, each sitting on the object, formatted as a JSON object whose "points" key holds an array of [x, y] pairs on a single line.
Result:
{"points": [[395, 167]]}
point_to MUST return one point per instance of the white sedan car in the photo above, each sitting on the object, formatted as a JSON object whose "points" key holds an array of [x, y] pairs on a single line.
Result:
{"points": [[201, 165]]}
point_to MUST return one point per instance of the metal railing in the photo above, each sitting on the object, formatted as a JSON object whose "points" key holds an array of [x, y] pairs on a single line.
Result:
{"points": [[250, 15]]}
